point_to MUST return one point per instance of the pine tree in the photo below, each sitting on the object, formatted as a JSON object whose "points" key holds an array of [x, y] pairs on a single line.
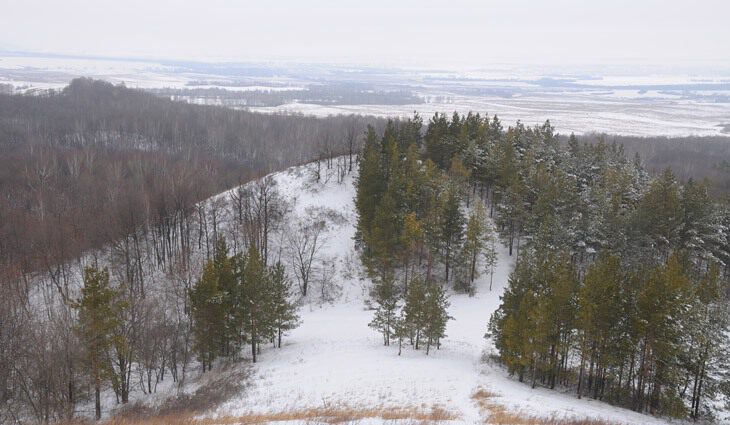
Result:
{"points": [[658, 219], [451, 227], [512, 212], [238, 301], [414, 180], [258, 324], [208, 314], [709, 318], [371, 185], [411, 240], [414, 313], [661, 305], [230, 299], [459, 176], [437, 149], [401, 330], [598, 313], [474, 242], [284, 311], [99, 314], [384, 237], [385, 295], [490, 252], [556, 310], [435, 311], [698, 233]]}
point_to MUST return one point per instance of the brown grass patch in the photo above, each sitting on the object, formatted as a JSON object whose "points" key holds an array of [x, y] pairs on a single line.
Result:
{"points": [[333, 415], [496, 414]]}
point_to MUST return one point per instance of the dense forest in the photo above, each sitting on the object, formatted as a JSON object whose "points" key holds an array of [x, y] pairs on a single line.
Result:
{"points": [[692, 157], [95, 162], [621, 283]]}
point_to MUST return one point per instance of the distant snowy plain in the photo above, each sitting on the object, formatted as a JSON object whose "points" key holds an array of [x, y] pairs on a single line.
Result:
{"points": [[637, 102]]}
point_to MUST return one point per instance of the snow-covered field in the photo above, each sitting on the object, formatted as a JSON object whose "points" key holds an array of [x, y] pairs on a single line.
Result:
{"points": [[639, 102], [334, 359], [600, 112]]}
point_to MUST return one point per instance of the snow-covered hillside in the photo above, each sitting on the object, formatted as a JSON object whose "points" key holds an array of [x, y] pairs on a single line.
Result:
{"points": [[334, 360]]}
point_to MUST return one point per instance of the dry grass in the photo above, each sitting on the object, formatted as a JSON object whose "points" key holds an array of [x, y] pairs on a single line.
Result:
{"points": [[334, 415], [496, 414]]}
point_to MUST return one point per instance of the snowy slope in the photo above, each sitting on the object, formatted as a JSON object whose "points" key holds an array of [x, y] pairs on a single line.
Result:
{"points": [[334, 359]]}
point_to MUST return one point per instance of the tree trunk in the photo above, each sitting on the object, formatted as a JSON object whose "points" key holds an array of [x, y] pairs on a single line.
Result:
{"points": [[582, 371], [97, 399]]}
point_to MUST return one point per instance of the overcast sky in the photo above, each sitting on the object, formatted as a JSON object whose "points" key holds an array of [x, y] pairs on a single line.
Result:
{"points": [[455, 33]]}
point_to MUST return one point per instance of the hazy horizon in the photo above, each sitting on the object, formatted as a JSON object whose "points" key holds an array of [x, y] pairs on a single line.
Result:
{"points": [[463, 34]]}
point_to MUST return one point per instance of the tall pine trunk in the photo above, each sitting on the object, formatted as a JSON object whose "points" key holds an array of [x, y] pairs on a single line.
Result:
{"points": [[97, 399]]}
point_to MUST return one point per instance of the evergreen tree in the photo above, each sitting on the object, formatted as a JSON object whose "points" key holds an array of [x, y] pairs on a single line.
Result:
{"points": [[414, 311], [371, 185], [401, 330], [474, 242], [490, 252], [459, 176], [661, 306], [658, 218], [99, 314], [414, 181], [411, 240], [258, 325], [384, 237], [599, 312], [451, 227], [435, 312], [230, 297], [437, 147], [709, 318], [698, 234], [208, 314], [385, 295], [284, 311]]}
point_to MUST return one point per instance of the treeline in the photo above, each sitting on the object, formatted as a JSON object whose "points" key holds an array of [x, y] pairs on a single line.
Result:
{"points": [[74, 160], [329, 94], [59, 203], [689, 157], [95, 113]]}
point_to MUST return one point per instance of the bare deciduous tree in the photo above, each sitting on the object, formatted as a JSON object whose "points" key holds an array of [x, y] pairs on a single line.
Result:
{"points": [[305, 243]]}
